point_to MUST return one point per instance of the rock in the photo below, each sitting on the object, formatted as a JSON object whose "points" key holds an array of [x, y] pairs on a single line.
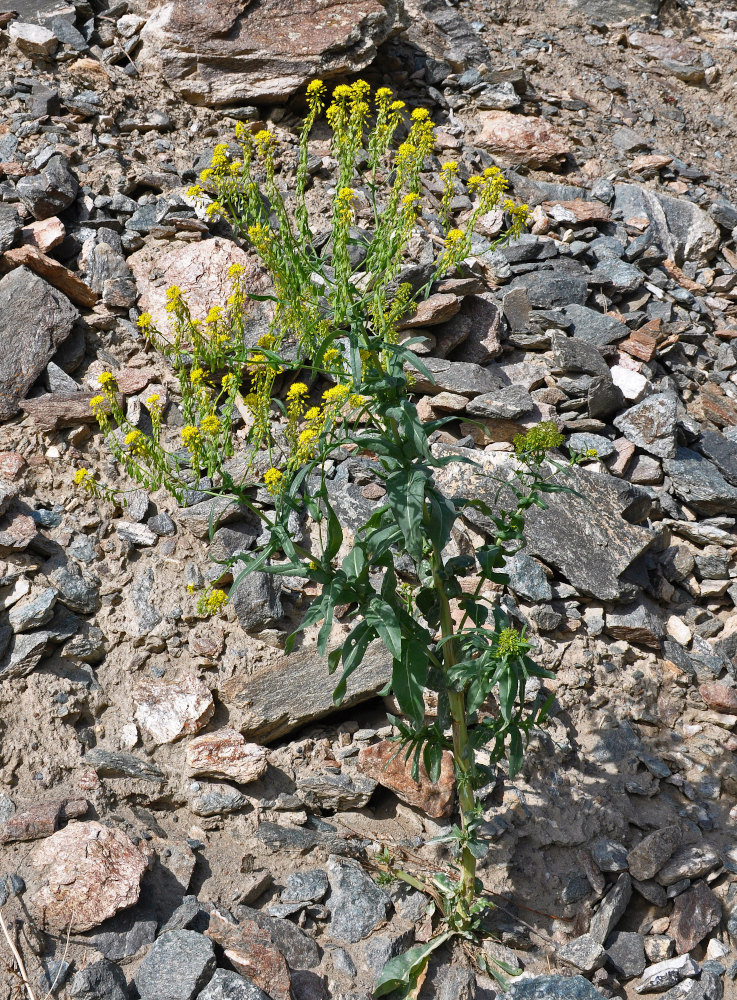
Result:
{"points": [[690, 862], [35, 613], [298, 948], [521, 140], [695, 912], [225, 754], [24, 654], [381, 762], [609, 855], [431, 311], [56, 409], [66, 281], [305, 887], [357, 905], [527, 578], [553, 988], [124, 935], [661, 976], [482, 342], [631, 384], [616, 277], [250, 950], [169, 709], [335, 792], [683, 230], [625, 951], [88, 873], [217, 799], [573, 355], [75, 591], [201, 271], [659, 947], [640, 622], [648, 857], [136, 534], [178, 966], [10, 227], [718, 696], [699, 484], [270, 708], [34, 319], [116, 765], [604, 397], [43, 234], [583, 952], [40, 820], [455, 376], [50, 191], [226, 985], [100, 980], [552, 290], [651, 425], [508, 403], [256, 600], [217, 56], [33, 39], [721, 452], [611, 910]]}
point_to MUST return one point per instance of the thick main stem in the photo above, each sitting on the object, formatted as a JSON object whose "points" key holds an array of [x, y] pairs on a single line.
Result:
{"points": [[462, 750]]}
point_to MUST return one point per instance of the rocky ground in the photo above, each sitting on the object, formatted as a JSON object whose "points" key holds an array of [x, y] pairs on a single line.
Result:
{"points": [[182, 814]]}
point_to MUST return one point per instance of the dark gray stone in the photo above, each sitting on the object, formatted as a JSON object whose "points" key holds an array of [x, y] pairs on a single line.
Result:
{"points": [[647, 858], [640, 622], [584, 952], [527, 578], [76, 591], [508, 403], [300, 949], [604, 397], [256, 600], [612, 909], [226, 985], [35, 613], [124, 935], [25, 653], [455, 376], [617, 276], [357, 905], [573, 355], [683, 230], [178, 966], [584, 442], [721, 452], [99, 981], [698, 483], [554, 988], [217, 799], [162, 524], [625, 951], [34, 319], [548, 290], [381, 947], [49, 192], [117, 765], [651, 424], [481, 343], [305, 887], [10, 227]]}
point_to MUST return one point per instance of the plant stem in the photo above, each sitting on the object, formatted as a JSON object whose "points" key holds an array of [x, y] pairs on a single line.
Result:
{"points": [[462, 750]]}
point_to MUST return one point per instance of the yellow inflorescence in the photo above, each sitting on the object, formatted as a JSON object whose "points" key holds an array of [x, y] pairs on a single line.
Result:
{"points": [[273, 479], [210, 425], [191, 438], [212, 603]]}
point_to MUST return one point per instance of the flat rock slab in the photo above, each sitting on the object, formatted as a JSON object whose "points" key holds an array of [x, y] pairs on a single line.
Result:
{"points": [[34, 319], [553, 988], [67, 282], [270, 707], [216, 54], [698, 483], [250, 950], [682, 229], [647, 858], [695, 912], [382, 763], [357, 905], [89, 872], [588, 538], [521, 140], [170, 709], [178, 965]]}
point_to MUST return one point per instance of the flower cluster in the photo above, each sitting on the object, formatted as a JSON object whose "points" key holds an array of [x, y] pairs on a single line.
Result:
{"points": [[538, 440]]}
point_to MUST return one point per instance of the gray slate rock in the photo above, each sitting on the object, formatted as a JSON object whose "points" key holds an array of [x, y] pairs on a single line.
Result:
{"points": [[49, 192], [256, 601], [217, 799], [721, 452], [226, 985], [357, 905], [508, 403], [548, 290], [648, 857], [617, 276], [527, 578], [573, 355], [102, 980], [594, 327], [625, 952], [33, 614], [651, 425], [640, 622], [698, 483], [553, 988], [455, 376], [683, 230], [612, 909], [116, 765], [25, 653], [10, 227], [583, 952], [76, 591], [178, 966], [305, 887], [34, 319]]}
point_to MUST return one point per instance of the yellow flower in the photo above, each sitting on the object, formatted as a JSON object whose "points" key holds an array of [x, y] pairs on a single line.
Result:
{"points": [[454, 236], [273, 480], [297, 391], [213, 209], [197, 376], [313, 414], [306, 445], [97, 401], [235, 271], [230, 382], [451, 167], [145, 323], [191, 437], [330, 356], [80, 475], [173, 298], [210, 425], [336, 395], [194, 192], [420, 115], [108, 382], [410, 200], [212, 603], [510, 642], [135, 442], [397, 106], [384, 94]]}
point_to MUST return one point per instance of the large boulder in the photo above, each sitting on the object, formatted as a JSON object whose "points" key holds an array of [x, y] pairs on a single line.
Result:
{"points": [[34, 319], [218, 53], [684, 231]]}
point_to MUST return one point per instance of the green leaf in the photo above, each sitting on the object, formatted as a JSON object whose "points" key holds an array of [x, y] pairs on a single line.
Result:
{"points": [[354, 649], [383, 618], [335, 533], [516, 751], [406, 494], [405, 970], [443, 515], [409, 677]]}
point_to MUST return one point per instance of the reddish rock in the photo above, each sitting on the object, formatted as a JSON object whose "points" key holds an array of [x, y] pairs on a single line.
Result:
{"points": [[226, 754], [11, 464], [695, 912], [649, 164], [40, 820], [584, 211], [88, 872], [169, 709], [17, 531], [431, 311], [52, 271], [250, 951], [55, 410], [720, 697], [207, 640], [382, 763], [44, 234], [517, 139]]}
